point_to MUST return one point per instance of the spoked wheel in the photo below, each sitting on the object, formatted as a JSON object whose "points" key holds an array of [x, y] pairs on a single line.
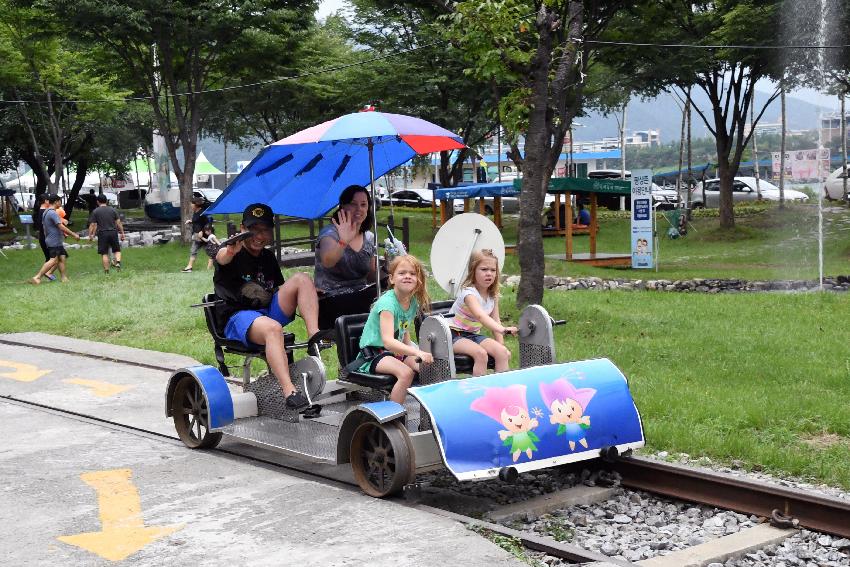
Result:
{"points": [[192, 416], [382, 458]]}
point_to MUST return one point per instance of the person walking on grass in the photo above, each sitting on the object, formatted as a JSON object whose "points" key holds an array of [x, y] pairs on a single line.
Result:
{"points": [[54, 236], [106, 224], [42, 204], [198, 221]]}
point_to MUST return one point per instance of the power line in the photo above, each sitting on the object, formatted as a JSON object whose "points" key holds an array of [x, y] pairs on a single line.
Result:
{"points": [[700, 46], [236, 87], [412, 49]]}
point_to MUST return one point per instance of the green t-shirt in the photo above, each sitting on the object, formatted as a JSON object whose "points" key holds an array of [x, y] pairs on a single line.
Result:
{"points": [[403, 319]]}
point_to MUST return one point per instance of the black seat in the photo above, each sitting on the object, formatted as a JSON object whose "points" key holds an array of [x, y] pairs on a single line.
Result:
{"points": [[463, 362], [348, 331], [224, 345]]}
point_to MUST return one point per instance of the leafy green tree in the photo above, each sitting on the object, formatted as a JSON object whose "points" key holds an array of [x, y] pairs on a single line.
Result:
{"points": [[171, 51], [538, 52], [314, 77], [51, 80], [425, 75], [734, 35]]}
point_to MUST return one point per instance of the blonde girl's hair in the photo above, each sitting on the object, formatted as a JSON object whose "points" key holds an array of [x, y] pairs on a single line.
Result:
{"points": [[475, 259], [421, 291]]}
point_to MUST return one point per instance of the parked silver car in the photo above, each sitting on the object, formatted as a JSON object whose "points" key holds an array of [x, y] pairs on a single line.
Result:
{"points": [[743, 189]]}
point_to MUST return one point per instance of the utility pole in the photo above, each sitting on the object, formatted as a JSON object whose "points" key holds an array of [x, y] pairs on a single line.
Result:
{"points": [[755, 149], [623, 152]]}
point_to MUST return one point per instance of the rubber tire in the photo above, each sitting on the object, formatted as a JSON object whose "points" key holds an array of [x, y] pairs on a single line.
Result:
{"points": [[187, 403], [382, 458]]}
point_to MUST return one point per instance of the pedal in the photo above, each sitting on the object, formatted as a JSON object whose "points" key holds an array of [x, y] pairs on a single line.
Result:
{"points": [[312, 412]]}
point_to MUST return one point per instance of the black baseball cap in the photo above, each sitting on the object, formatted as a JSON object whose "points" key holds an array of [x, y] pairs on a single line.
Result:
{"points": [[258, 212]]}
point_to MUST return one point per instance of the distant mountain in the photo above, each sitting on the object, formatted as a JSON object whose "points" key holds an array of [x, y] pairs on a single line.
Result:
{"points": [[662, 113], [214, 150]]}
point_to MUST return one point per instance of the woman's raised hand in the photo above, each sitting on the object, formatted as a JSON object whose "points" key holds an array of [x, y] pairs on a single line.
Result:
{"points": [[345, 227]]}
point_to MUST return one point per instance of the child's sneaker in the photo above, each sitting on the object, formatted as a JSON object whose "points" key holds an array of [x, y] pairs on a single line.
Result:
{"points": [[296, 400], [186, 270], [51, 277]]}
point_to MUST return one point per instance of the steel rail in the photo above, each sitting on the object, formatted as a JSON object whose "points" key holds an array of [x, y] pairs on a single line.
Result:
{"points": [[813, 511], [533, 541]]}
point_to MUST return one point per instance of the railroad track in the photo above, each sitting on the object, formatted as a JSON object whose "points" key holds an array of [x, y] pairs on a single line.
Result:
{"points": [[785, 506]]}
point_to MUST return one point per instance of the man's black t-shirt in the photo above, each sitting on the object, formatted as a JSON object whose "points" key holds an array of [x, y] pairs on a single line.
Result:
{"points": [[37, 218], [199, 221], [245, 267]]}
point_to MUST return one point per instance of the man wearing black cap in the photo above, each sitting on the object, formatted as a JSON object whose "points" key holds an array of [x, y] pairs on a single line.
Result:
{"points": [[246, 277]]}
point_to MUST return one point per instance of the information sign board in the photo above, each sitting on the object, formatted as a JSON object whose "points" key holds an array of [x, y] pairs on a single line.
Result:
{"points": [[642, 219]]}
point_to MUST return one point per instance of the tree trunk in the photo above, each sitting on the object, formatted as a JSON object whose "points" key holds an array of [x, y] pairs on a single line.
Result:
{"points": [[727, 176], [551, 87], [535, 177], [186, 179], [79, 179], [782, 149], [844, 149], [690, 155]]}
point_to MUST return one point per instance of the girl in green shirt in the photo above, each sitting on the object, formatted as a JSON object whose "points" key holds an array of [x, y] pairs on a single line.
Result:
{"points": [[385, 345]]}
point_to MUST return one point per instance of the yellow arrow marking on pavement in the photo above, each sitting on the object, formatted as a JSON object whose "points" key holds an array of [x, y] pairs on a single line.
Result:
{"points": [[123, 531], [23, 372], [98, 388]]}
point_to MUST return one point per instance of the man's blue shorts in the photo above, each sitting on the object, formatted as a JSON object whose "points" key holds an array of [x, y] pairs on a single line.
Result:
{"points": [[240, 322]]}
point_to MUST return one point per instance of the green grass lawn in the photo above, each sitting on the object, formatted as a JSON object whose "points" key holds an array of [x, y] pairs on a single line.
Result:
{"points": [[763, 378]]}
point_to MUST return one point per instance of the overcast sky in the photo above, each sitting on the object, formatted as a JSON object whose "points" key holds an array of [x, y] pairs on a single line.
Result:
{"points": [[328, 7]]}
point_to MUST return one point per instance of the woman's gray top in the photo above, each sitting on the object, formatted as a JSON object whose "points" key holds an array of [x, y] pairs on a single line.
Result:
{"points": [[352, 270]]}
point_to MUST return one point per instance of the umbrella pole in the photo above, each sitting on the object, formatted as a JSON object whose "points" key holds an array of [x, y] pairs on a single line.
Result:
{"points": [[371, 146]]}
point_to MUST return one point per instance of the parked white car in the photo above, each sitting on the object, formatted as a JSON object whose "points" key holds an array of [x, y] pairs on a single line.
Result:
{"points": [[743, 189], [415, 198], [208, 195], [834, 186]]}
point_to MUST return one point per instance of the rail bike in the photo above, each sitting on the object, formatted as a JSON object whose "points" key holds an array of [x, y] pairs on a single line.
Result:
{"points": [[543, 414]]}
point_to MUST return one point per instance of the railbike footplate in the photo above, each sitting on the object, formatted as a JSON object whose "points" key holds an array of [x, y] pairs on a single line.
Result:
{"points": [[531, 418], [310, 440]]}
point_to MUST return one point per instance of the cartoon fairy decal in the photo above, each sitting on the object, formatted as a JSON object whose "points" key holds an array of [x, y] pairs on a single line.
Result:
{"points": [[567, 405], [508, 407]]}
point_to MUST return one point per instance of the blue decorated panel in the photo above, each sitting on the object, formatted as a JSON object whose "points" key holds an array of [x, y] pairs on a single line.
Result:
{"points": [[532, 418], [383, 411], [218, 395]]}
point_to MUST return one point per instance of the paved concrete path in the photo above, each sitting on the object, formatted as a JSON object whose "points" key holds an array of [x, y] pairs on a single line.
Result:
{"points": [[77, 492]]}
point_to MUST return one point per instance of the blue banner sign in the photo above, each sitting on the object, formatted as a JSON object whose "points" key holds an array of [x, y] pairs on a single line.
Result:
{"points": [[532, 418], [642, 219], [505, 189]]}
